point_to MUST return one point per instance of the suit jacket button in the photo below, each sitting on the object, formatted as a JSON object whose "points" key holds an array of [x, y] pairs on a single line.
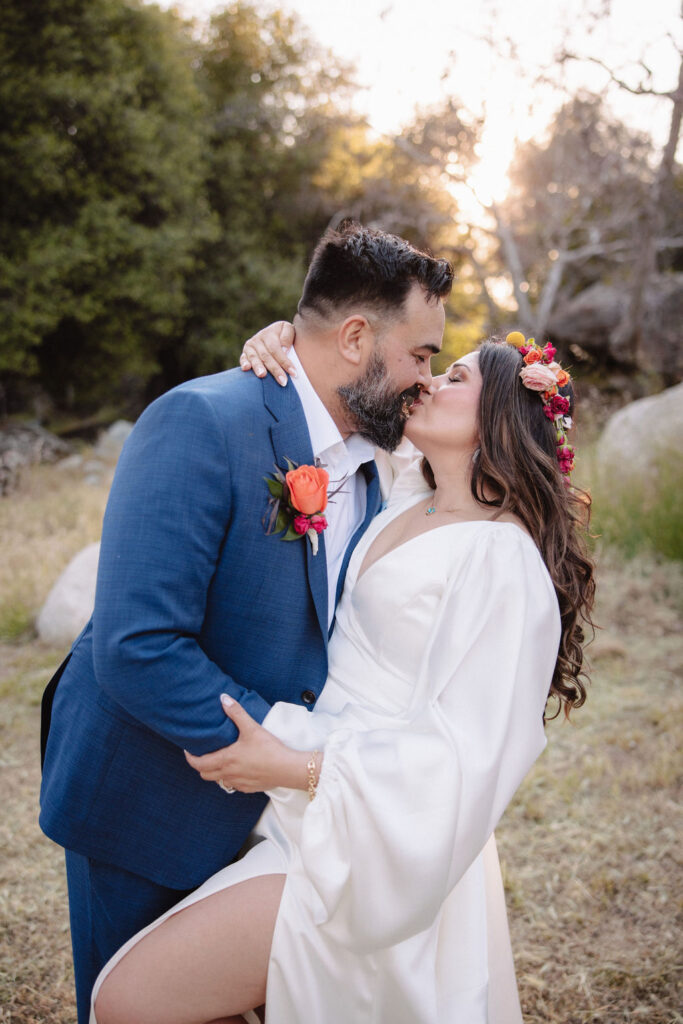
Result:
{"points": [[308, 697]]}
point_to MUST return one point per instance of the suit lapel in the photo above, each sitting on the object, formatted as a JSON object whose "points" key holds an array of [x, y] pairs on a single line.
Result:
{"points": [[373, 501], [291, 440]]}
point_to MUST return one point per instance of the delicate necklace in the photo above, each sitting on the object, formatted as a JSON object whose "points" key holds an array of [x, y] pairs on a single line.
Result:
{"points": [[444, 511]]}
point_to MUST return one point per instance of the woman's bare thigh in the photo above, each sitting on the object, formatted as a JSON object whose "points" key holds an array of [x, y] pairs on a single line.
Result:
{"points": [[206, 962]]}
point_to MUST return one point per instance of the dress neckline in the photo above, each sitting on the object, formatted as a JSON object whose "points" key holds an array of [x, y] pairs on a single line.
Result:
{"points": [[405, 507]]}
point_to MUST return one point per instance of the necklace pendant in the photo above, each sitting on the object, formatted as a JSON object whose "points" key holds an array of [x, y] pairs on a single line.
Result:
{"points": [[430, 511]]}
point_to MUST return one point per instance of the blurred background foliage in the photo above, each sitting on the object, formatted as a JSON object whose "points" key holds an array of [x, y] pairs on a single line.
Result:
{"points": [[162, 188]]}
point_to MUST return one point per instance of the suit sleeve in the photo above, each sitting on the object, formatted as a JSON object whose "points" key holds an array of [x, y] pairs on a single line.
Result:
{"points": [[164, 526]]}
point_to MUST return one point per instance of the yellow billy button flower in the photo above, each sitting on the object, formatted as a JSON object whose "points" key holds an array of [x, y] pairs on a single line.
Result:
{"points": [[516, 338]]}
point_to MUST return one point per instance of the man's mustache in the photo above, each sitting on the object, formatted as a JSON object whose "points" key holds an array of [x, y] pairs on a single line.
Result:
{"points": [[408, 398]]}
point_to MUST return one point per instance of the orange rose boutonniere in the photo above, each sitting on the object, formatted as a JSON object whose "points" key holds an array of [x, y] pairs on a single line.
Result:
{"points": [[297, 501], [308, 489]]}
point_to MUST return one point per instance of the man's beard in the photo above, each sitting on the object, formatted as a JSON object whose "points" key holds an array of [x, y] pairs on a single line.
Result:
{"points": [[378, 411]]}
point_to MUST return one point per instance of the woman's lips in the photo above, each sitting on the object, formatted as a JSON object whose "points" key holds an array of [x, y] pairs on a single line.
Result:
{"points": [[412, 405]]}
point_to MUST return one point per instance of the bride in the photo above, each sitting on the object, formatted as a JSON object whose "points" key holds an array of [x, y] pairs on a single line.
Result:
{"points": [[371, 892]]}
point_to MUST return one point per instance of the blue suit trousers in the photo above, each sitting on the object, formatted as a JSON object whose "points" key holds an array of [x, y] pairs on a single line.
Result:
{"points": [[107, 906]]}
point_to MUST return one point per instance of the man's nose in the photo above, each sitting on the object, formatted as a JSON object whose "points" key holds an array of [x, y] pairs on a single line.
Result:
{"points": [[424, 379]]}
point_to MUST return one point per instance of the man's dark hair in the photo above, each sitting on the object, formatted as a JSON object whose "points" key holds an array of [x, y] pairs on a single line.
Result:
{"points": [[355, 265]]}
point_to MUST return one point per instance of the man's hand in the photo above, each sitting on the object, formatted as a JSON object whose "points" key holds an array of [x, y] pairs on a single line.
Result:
{"points": [[267, 351], [256, 761]]}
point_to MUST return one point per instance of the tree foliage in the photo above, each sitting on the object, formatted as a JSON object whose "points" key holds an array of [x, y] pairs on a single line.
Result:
{"points": [[102, 173], [161, 192]]}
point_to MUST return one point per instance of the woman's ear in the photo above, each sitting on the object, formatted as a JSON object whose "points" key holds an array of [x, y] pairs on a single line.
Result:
{"points": [[355, 339]]}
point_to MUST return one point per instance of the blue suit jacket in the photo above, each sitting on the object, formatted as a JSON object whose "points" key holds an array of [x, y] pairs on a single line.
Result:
{"points": [[193, 599]]}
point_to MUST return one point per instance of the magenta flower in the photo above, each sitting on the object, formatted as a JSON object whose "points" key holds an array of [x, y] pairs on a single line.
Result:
{"points": [[559, 405], [319, 523], [300, 523]]}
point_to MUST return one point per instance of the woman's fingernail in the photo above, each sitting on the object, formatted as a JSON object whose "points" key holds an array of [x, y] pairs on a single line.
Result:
{"points": [[291, 371], [226, 700], [282, 379]]}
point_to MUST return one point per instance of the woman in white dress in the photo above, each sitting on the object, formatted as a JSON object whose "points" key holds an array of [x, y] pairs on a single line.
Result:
{"points": [[380, 901]]}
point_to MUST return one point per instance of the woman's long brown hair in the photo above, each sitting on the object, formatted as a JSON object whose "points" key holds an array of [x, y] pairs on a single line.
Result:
{"points": [[516, 471]]}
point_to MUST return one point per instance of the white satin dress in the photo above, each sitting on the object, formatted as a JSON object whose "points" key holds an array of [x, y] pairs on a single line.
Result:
{"points": [[439, 668]]}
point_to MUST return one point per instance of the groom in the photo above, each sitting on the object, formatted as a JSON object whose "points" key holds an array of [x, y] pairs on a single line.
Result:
{"points": [[194, 598]]}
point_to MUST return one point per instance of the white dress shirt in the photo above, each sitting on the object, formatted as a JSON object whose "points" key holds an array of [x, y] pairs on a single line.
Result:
{"points": [[342, 459]]}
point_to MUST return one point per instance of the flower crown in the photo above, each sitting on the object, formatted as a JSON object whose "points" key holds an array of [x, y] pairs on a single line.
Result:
{"points": [[542, 374]]}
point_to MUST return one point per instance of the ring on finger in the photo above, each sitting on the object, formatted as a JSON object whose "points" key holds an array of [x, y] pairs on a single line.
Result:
{"points": [[226, 789]]}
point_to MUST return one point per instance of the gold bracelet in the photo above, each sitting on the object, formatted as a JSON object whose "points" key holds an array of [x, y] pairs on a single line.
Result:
{"points": [[311, 768]]}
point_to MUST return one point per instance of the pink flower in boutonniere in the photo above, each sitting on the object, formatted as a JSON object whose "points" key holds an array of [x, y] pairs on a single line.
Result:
{"points": [[297, 500], [319, 523], [300, 523]]}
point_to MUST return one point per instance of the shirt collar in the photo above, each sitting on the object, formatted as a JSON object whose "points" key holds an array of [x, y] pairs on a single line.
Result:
{"points": [[322, 429]]}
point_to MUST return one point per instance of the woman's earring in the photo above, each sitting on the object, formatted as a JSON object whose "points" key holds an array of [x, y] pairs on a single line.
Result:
{"points": [[476, 454]]}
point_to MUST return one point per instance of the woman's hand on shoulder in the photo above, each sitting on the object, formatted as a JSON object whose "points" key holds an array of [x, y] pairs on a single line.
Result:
{"points": [[267, 351]]}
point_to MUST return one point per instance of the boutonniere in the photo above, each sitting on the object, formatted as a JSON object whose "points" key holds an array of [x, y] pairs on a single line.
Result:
{"points": [[297, 501]]}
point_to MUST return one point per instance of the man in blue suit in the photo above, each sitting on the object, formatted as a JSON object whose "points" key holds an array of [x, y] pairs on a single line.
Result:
{"points": [[194, 598]]}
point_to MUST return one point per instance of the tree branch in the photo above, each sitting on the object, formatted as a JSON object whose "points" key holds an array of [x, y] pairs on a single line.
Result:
{"points": [[514, 265], [635, 90]]}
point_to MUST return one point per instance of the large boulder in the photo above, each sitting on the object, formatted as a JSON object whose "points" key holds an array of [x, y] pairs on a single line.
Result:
{"points": [[638, 436], [593, 318], [70, 603]]}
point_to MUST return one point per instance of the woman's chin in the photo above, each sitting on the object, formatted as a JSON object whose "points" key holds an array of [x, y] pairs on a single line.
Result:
{"points": [[412, 429]]}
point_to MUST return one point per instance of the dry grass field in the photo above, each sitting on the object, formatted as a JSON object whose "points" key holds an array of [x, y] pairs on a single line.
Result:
{"points": [[590, 846]]}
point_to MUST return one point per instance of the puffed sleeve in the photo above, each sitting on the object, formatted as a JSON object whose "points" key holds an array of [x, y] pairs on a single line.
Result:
{"points": [[403, 809]]}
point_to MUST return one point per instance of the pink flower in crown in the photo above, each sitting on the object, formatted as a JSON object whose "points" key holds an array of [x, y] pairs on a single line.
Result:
{"points": [[565, 457], [537, 377], [549, 352], [559, 405]]}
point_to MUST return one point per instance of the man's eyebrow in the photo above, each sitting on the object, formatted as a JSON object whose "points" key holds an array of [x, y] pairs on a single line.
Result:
{"points": [[431, 347]]}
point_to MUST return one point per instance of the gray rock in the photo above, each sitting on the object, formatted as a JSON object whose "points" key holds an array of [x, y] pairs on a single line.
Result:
{"points": [[112, 440], [591, 320], [70, 462], [638, 435], [70, 602], [24, 445]]}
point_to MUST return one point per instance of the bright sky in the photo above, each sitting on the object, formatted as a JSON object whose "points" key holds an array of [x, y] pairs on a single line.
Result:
{"points": [[409, 53]]}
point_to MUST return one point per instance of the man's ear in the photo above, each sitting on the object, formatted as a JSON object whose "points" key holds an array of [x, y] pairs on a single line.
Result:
{"points": [[355, 338]]}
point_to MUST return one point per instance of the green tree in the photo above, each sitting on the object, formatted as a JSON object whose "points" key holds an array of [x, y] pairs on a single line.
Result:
{"points": [[102, 174], [275, 100]]}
